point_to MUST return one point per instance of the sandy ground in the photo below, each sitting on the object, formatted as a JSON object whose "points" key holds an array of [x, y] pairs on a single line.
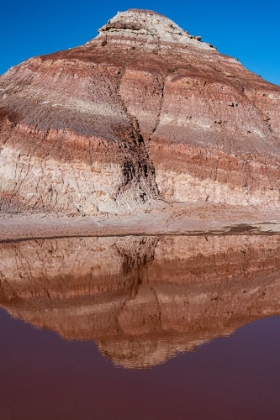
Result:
{"points": [[174, 219]]}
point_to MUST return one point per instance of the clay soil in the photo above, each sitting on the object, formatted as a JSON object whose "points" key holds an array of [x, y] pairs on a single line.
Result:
{"points": [[175, 219]]}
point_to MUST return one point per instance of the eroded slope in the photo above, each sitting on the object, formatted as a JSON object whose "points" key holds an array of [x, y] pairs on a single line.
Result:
{"points": [[143, 112]]}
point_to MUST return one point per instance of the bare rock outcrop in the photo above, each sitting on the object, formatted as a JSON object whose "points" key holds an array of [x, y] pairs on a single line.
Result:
{"points": [[144, 112], [158, 295]]}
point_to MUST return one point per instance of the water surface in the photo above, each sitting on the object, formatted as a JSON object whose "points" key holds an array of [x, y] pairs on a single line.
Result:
{"points": [[140, 328]]}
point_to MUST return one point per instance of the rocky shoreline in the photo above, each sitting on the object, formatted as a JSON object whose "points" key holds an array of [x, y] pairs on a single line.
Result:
{"points": [[175, 220]]}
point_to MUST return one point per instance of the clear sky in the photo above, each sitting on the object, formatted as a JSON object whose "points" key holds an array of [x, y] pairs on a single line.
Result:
{"points": [[245, 29]]}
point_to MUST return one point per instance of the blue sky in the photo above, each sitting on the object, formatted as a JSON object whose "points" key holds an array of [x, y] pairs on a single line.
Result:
{"points": [[247, 30]]}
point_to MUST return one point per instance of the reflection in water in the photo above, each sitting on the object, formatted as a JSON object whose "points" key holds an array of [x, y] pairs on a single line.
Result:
{"points": [[142, 299]]}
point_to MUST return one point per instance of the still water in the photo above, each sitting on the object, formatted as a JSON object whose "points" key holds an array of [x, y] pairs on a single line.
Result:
{"points": [[140, 328]]}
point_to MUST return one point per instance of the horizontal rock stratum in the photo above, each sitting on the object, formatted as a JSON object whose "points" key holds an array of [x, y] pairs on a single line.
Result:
{"points": [[142, 113]]}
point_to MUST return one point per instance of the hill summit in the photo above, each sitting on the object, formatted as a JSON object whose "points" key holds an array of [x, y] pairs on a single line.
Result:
{"points": [[141, 115]]}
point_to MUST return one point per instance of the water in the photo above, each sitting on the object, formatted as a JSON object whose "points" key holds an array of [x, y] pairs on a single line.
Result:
{"points": [[140, 328]]}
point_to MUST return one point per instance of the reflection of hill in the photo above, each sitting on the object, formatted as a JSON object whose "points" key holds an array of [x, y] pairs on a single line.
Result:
{"points": [[142, 299]]}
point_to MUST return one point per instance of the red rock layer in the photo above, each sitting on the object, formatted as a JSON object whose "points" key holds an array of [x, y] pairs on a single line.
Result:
{"points": [[142, 112], [157, 297]]}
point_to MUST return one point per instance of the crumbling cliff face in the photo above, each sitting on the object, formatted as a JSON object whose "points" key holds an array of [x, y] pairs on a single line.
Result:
{"points": [[157, 297], [143, 112]]}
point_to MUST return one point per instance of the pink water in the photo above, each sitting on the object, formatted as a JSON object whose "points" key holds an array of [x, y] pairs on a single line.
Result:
{"points": [[45, 377]]}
